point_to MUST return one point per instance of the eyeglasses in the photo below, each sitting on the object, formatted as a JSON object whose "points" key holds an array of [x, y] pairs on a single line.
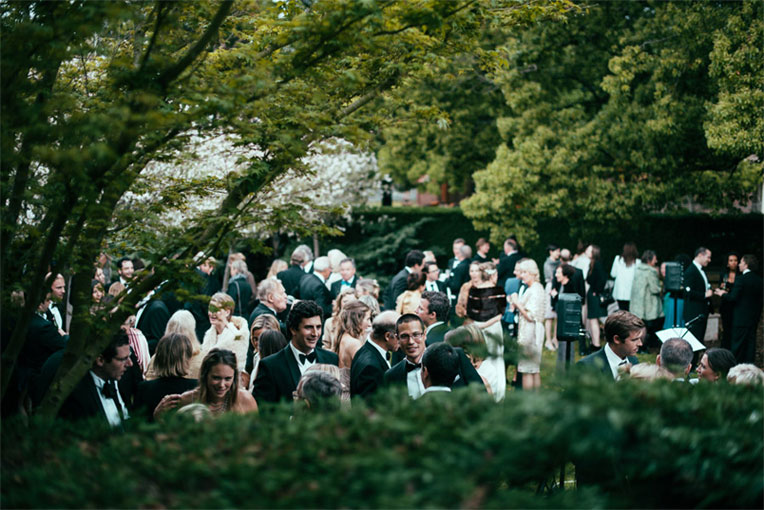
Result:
{"points": [[405, 337]]}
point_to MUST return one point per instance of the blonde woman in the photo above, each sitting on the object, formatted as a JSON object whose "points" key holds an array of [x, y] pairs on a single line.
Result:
{"points": [[344, 298], [182, 322], [227, 331], [530, 333], [277, 266]]}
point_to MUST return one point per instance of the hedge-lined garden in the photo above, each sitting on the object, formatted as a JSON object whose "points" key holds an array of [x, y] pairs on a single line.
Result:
{"points": [[662, 445]]}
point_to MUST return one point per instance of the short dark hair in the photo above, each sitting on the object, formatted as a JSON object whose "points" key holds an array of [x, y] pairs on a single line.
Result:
{"points": [[720, 361], [552, 247], [458, 240], [480, 242], [442, 364], [648, 256], [302, 310], [512, 242], [676, 354], [428, 265], [701, 249], [438, 303], [414, 280], [622, 323], [568, 270], [347, 259], [406, 318], [117, 340], [751, 260], [414, 257], [270, 342], [122, 260]]}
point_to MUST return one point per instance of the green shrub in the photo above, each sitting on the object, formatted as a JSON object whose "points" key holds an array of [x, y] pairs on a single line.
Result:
{"points": [[671, 445]]}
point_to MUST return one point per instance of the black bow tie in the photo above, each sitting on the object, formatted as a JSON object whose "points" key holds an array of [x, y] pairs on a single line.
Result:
{"points": [[412, 366], [109, 390], [309, 357]]}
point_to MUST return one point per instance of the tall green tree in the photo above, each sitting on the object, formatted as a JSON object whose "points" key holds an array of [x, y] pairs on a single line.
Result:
{"points": [[92, 92], [612, 114]]}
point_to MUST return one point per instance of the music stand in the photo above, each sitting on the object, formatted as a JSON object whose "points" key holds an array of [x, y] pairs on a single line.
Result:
{"points": [[683, 333]]}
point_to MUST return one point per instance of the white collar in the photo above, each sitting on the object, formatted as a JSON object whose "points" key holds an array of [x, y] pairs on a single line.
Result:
{"points": [[379, 349], [433, 389], [436, 323], [296, 352], [746, 271], [700, 268], [323, 280], [613, 360]]}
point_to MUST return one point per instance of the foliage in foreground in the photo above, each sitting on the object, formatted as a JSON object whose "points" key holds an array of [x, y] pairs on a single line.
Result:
{"points": [[673, 445]]}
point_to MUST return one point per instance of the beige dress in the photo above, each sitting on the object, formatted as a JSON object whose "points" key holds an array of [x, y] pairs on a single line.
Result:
{"points": [[530, 333]]}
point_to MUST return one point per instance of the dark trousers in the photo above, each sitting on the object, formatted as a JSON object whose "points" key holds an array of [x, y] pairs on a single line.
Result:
{"points": [[623, 305], [744, 343]]}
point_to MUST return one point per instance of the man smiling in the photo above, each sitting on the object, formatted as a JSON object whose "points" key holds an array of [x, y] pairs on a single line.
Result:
{"points": [[410, 332], [278, 374]]}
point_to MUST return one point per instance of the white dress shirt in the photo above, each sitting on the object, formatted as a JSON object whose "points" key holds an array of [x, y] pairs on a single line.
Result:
{"points": [[414, 382], [108, 404], [302, 366], [702, 273], [614, 361]]}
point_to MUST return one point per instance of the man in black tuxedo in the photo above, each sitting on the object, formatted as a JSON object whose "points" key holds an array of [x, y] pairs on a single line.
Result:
{"points": [[507, 260], [42, 340], [624, 333], [461, 272], [273, 301], [205, 285], [697, 292], [372, 360], [440, 366], [414, 262], [746, 296], [453, 262], [292, 276], [432, 283], [239, 288], [409, 329], [278, 374], [97, 394], [433, 310], [349, 278], [313, 286], [152, 320]]}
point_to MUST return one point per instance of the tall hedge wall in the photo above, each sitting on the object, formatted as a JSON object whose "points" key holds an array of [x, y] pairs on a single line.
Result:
{"points": [[662, 445], [379, 237]]}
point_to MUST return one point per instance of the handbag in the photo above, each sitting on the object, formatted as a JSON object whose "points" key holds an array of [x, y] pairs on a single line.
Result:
{"points": [[606, 296]]}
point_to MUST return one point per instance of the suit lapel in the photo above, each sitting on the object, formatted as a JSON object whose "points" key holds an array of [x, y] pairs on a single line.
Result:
{"points": [[381, 362], [294, 370]]}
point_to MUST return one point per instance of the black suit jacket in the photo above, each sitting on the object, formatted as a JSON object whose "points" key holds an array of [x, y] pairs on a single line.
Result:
{"points": [[506, 267], [241, 293], [597, 362], [467, 373], [441, 286], [437, 334], [154, 322], [151, 392], [746, 295], [84, 401], [367, 371], [337, 286], [695, 301], [291, 278], [313, 289], [396, 288], [42, 340], [278, 374], [459, 276]]}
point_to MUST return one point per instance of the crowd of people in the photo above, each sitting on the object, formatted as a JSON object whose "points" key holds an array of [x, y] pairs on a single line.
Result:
{"points": [[315, 332]]}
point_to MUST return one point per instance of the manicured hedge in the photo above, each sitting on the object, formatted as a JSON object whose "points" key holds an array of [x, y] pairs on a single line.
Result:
{"points": [[671, 445]]}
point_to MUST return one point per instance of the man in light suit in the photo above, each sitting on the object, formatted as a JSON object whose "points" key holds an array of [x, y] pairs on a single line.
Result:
{"points": [[697, 292], [349, 278], [372, 360], [278, 374], [746, 295], [414, 262], [624, 333], [433, 310]]}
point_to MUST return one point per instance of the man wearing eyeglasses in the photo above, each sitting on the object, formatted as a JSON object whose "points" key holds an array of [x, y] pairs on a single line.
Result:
{"points": [[98, 394], [410, 332]]}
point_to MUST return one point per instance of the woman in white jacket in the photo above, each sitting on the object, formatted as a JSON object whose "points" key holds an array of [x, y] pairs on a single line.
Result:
{"points": [[623, 271], [226, 330]]}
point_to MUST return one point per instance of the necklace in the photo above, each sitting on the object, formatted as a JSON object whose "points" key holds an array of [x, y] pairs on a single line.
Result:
{"points": [[220, 407]]}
